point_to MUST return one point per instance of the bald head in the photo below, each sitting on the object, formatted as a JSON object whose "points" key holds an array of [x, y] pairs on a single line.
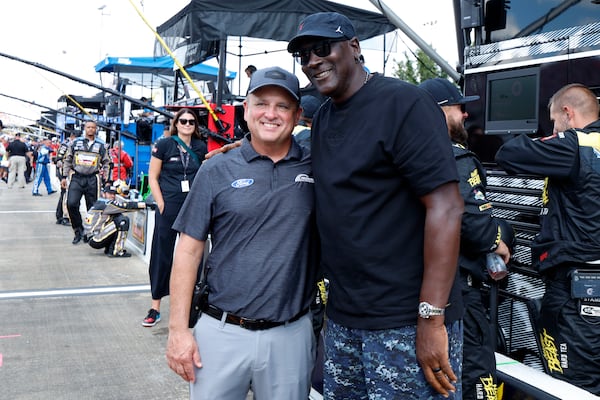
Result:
{"points": [[574, 106]]}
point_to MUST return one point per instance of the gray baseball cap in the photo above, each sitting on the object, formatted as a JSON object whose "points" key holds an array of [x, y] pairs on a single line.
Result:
{"points": [[275, 76]]}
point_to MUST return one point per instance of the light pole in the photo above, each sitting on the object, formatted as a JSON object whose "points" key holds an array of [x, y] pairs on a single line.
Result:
{"points": [[101, 30]]}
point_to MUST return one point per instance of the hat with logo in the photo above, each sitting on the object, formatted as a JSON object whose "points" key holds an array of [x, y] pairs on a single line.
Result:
{"points": [[329, 25], [445, 93], [275, 76]]}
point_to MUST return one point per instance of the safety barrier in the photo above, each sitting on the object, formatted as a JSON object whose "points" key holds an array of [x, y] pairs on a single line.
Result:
{"points": [[518, 200]]}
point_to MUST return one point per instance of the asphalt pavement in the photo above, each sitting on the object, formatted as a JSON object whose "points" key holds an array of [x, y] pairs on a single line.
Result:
{"points": [[70, 317]]}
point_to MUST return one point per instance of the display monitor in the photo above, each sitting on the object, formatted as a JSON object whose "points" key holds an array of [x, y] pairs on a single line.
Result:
{"points": [[512, 101]]}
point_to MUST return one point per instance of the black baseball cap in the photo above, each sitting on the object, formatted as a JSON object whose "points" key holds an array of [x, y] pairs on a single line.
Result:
{"points": [[330, 25], [275, 76], [445, 93], [310, 105]]}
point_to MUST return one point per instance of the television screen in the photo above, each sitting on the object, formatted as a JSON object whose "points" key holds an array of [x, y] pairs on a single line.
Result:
{"points": [[512, 101]]}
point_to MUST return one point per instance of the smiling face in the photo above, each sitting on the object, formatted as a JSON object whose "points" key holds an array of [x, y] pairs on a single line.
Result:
{"points": [[271, 113], [186, 124], [338, 74]]}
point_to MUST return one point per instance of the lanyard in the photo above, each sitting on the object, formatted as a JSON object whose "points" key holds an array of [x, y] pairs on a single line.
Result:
{"points": [[185, 161]]}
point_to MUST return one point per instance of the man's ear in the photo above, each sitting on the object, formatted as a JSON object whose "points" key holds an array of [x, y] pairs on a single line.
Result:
{"points": [[355, 45]]}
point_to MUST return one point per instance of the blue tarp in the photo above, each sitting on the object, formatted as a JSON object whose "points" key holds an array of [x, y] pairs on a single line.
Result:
{"points": [[158, 66]]}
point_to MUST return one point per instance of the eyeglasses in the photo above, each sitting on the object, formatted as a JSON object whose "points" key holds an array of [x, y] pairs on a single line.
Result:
{"points": [[321, 49], [184, 121]]}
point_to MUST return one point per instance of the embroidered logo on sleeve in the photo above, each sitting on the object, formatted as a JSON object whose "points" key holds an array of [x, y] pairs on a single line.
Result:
{"points": [[242, 183], [304, 178]]}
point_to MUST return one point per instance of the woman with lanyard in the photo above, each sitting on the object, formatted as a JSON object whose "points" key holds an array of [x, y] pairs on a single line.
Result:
{"points": [[173, 166]]}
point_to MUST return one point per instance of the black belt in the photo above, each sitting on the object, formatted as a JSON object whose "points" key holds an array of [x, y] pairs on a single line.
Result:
{"points": [[250, 324]]}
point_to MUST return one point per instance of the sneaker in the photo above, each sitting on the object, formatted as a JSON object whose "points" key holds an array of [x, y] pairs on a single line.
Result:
{"points": [[36, 194], [122, 253], [152, 318], [52, 192]]}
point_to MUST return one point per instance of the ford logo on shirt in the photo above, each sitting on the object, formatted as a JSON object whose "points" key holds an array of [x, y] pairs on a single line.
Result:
{"points": [[242, 183]]}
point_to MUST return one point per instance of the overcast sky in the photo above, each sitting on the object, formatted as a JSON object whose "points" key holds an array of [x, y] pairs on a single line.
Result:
{"points": [[74, 35]]}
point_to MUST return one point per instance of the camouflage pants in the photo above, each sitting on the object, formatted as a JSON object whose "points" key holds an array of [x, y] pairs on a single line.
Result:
{"points": [[381, 364]]}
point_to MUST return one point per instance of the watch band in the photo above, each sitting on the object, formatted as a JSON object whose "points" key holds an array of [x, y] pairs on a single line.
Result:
{"points": [[426, 310]]}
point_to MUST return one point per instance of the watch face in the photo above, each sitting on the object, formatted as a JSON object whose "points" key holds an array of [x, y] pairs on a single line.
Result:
{"points": [[423, 309], [426, 310]]}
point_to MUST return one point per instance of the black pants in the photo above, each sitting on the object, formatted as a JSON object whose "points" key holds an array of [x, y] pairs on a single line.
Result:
{"points": [[161, 254], [479, 362], [87, 186], [59, 206], [570, 342]]}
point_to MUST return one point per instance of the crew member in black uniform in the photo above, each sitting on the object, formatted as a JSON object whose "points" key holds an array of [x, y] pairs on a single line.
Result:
{"points": [[105, 224], [569, 238], [480, 234], [62, 213], [87, 165]]}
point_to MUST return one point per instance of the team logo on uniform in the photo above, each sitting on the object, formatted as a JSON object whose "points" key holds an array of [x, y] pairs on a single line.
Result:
{"points": [[485, 206], [474, 179], [550, 352], [478, 195], [242, 183], [304, 178]]}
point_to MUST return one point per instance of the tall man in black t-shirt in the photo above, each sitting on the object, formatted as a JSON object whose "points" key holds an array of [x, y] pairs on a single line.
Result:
{"points": [[388, 213]]}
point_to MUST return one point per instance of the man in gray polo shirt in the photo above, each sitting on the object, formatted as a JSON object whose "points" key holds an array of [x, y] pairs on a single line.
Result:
{"points": [[257, 203]]}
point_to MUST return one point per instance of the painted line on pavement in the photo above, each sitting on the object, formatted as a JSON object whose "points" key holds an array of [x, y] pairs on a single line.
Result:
{"points": [[9, 336], [74, 292], [26, 211]]}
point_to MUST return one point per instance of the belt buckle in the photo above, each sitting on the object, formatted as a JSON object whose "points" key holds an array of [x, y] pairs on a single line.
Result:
{"points": [[250, 324]]}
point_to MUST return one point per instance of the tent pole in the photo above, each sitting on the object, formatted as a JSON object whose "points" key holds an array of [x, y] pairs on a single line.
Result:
{"points": [[222, 69], [240, 67], [384, 51]]}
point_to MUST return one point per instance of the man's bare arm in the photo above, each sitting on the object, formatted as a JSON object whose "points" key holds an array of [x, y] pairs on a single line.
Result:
{"points": [[182, 350], [444, 208]]}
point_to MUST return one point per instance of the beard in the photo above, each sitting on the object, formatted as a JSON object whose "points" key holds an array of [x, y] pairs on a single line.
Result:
{"points": [[458, 133]]}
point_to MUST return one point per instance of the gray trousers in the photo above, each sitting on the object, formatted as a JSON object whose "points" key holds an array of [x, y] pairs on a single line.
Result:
{"points": [[275, 363]]}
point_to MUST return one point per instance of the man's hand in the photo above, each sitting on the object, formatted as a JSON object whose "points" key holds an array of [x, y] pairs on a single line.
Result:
{"points": [[432, 354], [503, 251], [183, 354], [223, 149], [63, 183]]}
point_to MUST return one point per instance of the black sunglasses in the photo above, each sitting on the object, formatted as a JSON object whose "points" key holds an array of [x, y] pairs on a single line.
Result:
{"points": [[321, 49], [184, 121]]}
